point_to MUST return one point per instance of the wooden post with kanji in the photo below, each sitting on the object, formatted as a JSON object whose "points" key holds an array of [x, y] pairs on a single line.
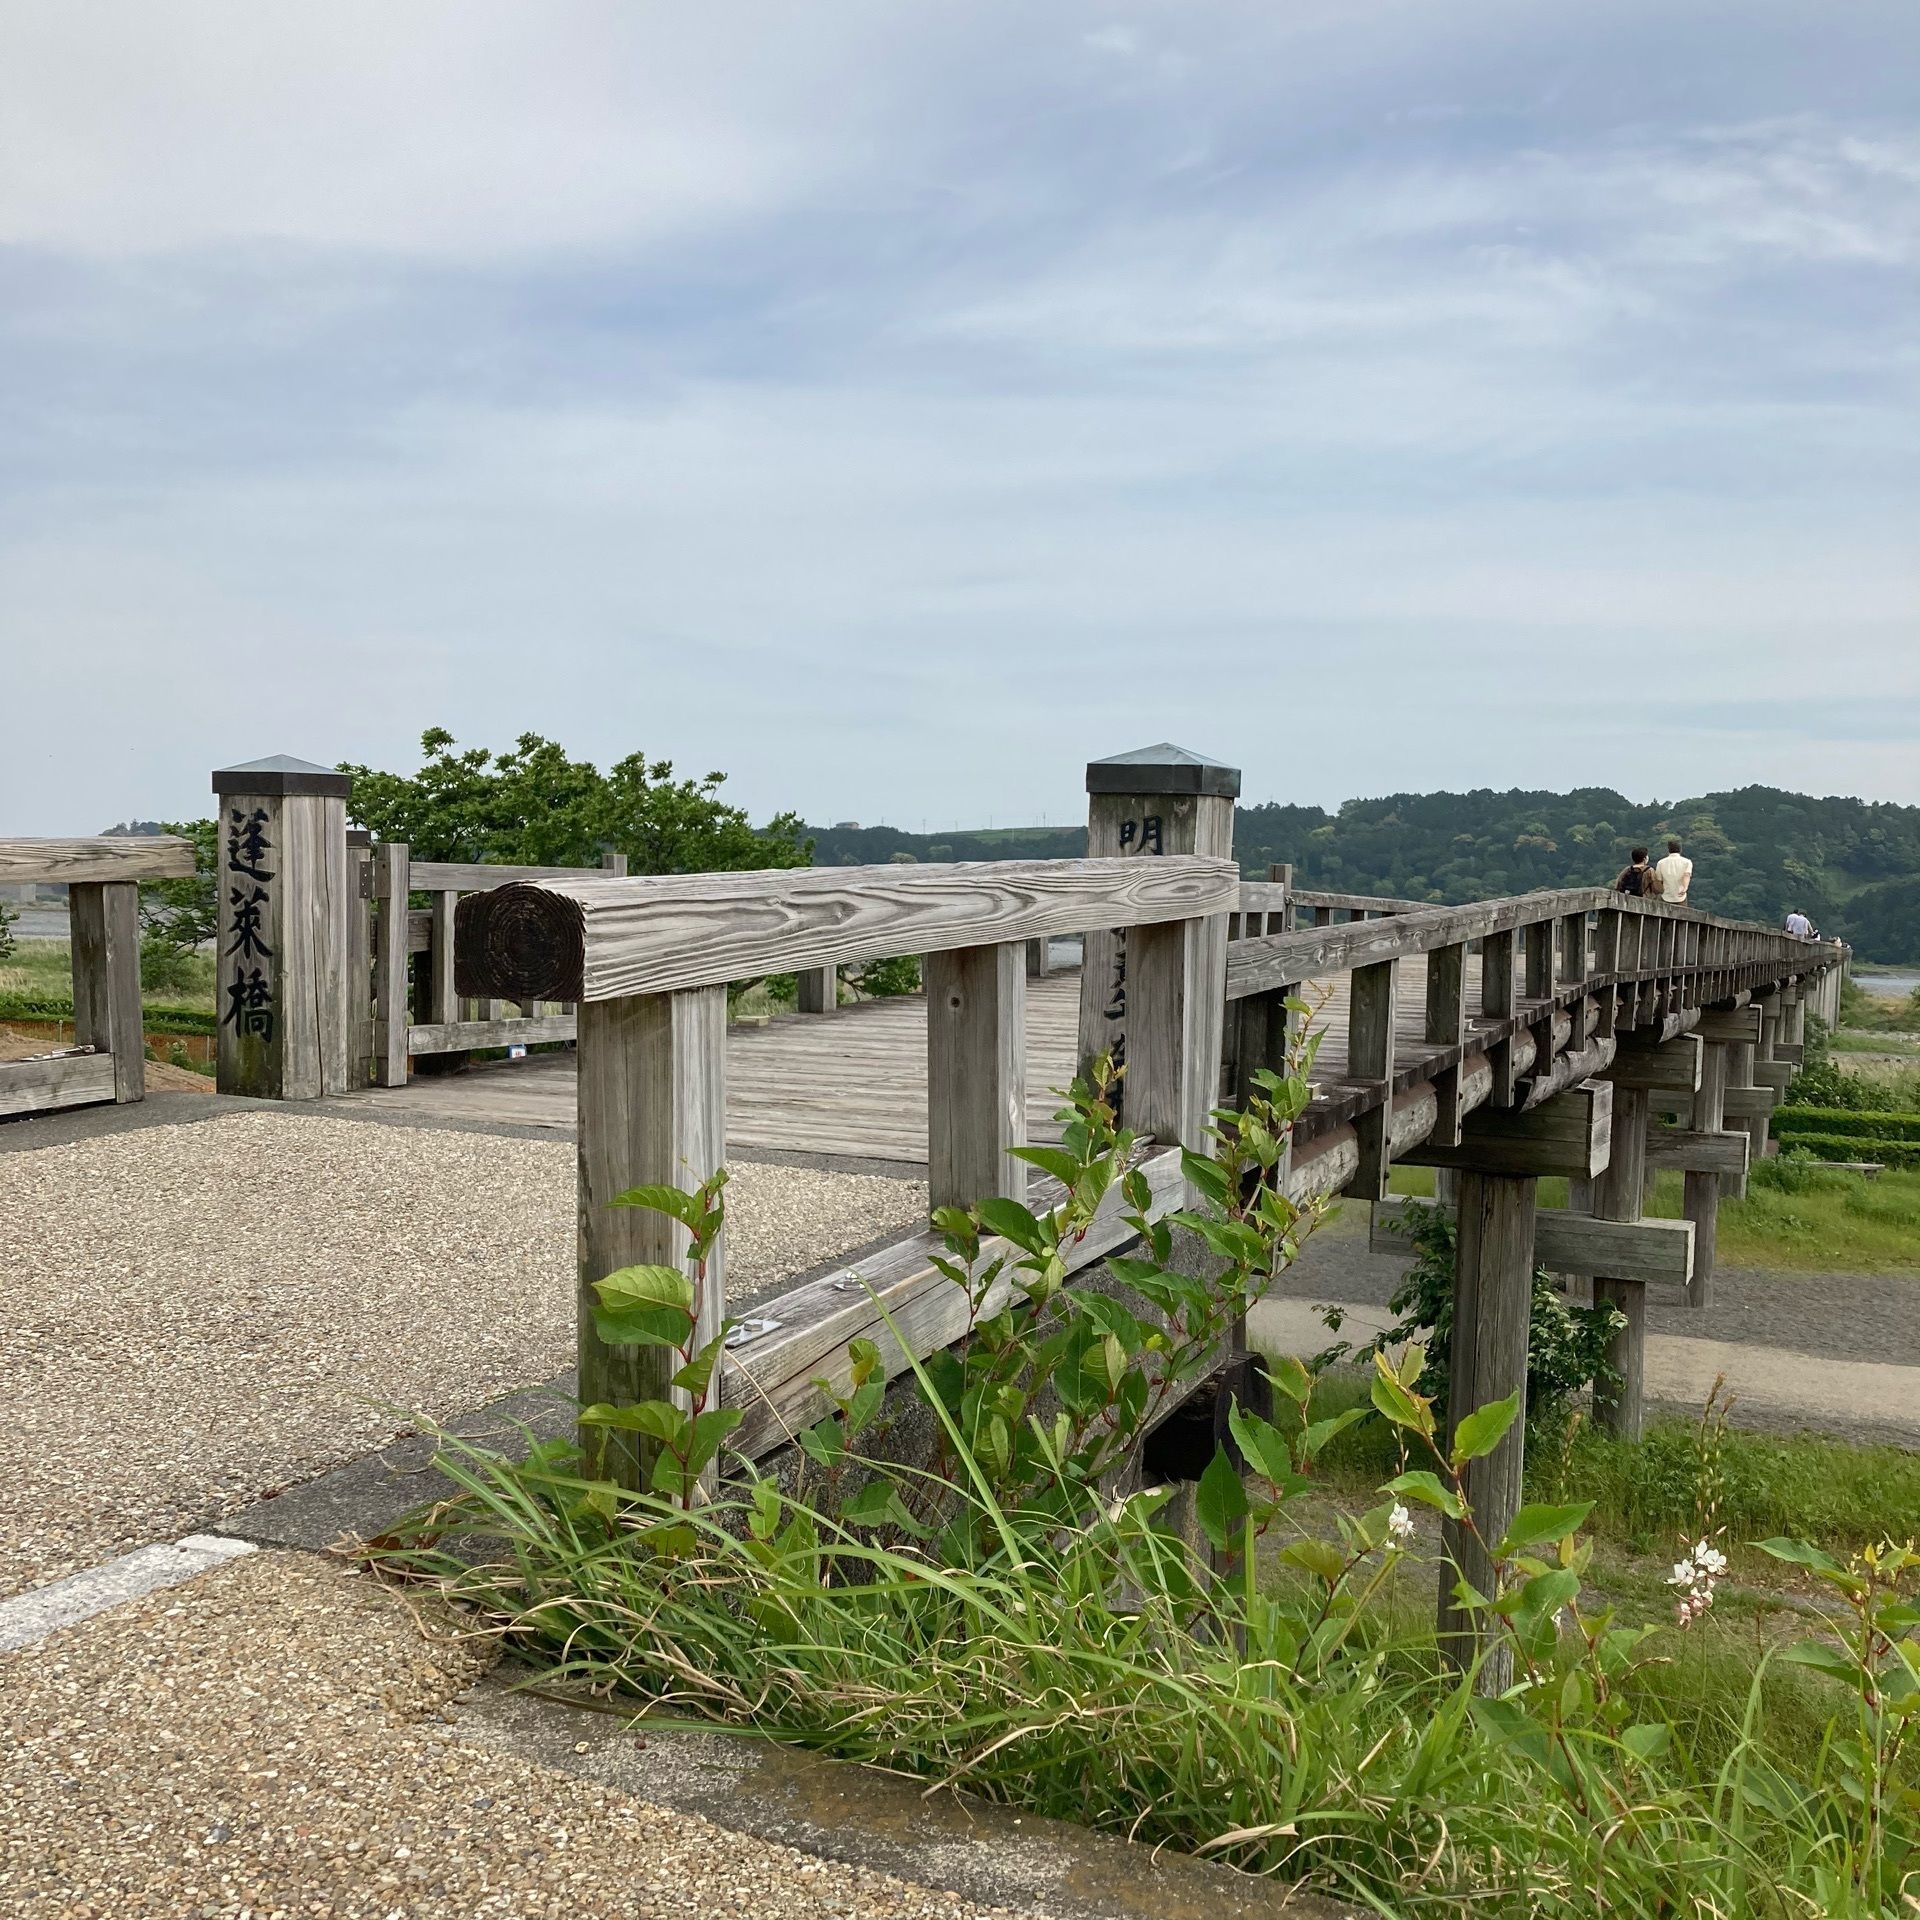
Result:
{"points": [[282, 875]]}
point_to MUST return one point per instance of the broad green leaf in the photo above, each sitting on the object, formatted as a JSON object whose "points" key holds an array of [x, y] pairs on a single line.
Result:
{"points": [[657, 1419], [1264, 1445], [1011, 1221], [1317, 1436], [1647, 1740], [1062, 1165], [1429, 1490], [645, 1286], [1289, 1374], [1536, 1526], [695, 1377], [1824, 1659], [864, 1358], [1399, 1406], [709, 1430], [1204, 1175], [1546, 1593], [677, 1205], [1798, 1553], [1220, 1500], [1484, 1428], [1319, 1557]]}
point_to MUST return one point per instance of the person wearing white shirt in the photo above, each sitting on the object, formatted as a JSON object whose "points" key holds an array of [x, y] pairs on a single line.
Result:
{"points": [[1797, 922], [1676, 875]]}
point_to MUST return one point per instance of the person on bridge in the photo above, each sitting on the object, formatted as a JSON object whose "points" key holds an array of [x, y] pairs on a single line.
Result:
{"points": [[1676, 875], [1636, 875], [1798, 923]]}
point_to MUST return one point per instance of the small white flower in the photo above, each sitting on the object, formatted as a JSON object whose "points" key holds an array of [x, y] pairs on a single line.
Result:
{"points": [[1400, 1526]]}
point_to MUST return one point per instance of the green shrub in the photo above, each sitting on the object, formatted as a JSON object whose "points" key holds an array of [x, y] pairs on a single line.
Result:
{"points": [[885, 979], [9, 916], [1832, 1120], [1854, 1146], [1566, 1344]]}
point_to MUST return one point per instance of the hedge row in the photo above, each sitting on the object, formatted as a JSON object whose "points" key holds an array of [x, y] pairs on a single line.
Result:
{"points": [[1904, 1154], [1838, 1120], [28, 1006]]}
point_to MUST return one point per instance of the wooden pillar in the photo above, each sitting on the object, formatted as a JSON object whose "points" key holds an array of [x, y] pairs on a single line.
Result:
{"points": [[1176, 1006], [1493, 1304], [1161, 799], [1703, 1189], [283, 900], [818, 989], [359, 966], [392, 1004], [104, 921], [1446, 1026], [652, 1111], [1617, 1192], [976, 1073], [1039, 959], [442, 1003], [1498, 1002], [1370, 1009]]}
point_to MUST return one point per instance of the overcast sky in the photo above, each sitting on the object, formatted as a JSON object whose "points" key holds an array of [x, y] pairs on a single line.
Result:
{"points": [[896, 405]]}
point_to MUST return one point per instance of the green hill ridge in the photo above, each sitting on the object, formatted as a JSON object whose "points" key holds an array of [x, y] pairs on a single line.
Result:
{"points": [[1852, 865]]}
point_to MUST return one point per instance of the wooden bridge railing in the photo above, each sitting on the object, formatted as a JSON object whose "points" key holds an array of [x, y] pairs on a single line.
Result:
{"points": [[394, 931], [102, 876], [649, 960]]}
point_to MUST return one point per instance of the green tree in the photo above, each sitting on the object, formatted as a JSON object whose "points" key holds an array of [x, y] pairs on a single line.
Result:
{"points": [[183, 914], [534, 805]]}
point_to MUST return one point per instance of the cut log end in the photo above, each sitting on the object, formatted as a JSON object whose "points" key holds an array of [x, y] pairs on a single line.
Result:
{"points": [[518, 942]]}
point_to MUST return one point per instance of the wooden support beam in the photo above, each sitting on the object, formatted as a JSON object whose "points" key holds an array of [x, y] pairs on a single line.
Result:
{"points": [[818, 989], [1263, 1037], [652, 1111], [1370, 1014], [1620, 1404], [1655, 1252], [1702, 1187], [1694, 1151], [976, 1074], [1671, 1067], [1493, 1298], [359, 959], [1039, 959], [392, 1014], [107, 1016], [1537, 946], [1725, 1025], [470, 1036], [1565, 1135]]}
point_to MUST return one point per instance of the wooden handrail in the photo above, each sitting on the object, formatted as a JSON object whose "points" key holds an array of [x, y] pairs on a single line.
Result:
{"points": [[592, 939], [1274, 960], [95, 860]]}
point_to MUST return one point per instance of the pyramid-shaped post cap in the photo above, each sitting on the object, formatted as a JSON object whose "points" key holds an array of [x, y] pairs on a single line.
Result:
{"points": [[281, 773], [1163, 769]]}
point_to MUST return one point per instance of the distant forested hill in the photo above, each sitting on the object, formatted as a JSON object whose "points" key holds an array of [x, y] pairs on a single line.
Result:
{"points": [[1853, 866]]}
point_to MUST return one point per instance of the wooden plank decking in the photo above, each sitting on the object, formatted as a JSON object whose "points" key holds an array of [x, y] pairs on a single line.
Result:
{"points": [[855, 1082]]}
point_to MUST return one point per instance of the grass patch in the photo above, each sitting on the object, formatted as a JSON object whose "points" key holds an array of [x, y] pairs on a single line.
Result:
{"points": [[1647, 1497], [1875, 1043], [36, 982]]}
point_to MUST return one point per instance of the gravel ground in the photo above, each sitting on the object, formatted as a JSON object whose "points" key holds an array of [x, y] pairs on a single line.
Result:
{"points": [[194, 1316], [266, 1743]]}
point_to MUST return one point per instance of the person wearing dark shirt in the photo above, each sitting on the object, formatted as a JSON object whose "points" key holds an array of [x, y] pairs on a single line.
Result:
{"points": [[1635, 876]]}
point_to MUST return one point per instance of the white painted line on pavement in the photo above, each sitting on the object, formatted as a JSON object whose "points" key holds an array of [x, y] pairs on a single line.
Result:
{"points": [[33, 1615]]}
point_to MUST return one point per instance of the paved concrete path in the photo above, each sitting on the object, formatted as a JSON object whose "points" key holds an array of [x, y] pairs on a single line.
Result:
{"points": [[1834, 1352]]}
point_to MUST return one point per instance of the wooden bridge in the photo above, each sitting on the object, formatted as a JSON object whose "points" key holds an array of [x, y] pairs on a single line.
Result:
{"points": [[1581, 1032]]}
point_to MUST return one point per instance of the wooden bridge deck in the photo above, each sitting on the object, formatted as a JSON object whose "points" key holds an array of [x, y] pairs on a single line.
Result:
{"points": [[854, 1082]]}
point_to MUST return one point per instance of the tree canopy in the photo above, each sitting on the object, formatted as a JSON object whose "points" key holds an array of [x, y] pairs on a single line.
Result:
{"points": [[534, 805]]}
